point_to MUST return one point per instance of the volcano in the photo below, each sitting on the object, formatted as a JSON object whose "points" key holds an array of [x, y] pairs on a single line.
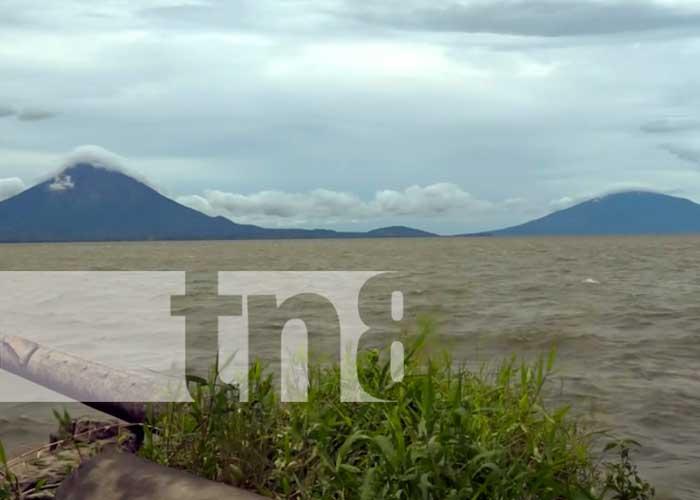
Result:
{"points": [[85, 202], [624, 213]]}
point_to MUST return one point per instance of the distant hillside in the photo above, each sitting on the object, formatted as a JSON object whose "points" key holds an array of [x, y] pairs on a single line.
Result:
{"points": [[626, 213], [399, 232], [88, 203]]}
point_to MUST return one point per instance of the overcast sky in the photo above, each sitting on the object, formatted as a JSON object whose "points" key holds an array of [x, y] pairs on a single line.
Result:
{"points": [[450, 116]]}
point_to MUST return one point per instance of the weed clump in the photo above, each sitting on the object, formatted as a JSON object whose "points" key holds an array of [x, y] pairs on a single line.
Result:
{"points": [[447, 434]]}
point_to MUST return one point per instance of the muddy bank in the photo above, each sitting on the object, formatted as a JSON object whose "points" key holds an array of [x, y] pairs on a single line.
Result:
{"points": [[37, 473]]}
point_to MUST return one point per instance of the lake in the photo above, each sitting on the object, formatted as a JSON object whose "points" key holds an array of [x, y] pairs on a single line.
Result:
{"points": [[623, 313]]}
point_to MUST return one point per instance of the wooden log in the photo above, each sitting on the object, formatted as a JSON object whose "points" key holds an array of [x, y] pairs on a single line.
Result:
{"points": [[116, 392]]}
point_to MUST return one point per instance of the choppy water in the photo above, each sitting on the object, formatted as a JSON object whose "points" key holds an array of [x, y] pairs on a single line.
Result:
{"points": [[624, 314]]}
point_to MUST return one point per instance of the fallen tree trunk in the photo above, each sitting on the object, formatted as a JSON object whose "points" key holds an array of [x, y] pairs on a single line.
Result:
{"points": [[112, 475], [115, 392]]}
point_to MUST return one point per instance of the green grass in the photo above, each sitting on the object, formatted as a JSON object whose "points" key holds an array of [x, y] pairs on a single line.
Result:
{"points": [[448, 434]]}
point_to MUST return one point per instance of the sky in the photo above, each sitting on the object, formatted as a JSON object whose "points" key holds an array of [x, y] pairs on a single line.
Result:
{"points": [[449, 116]]}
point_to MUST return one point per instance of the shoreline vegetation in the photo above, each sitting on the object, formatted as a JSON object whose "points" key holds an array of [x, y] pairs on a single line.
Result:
{"points": [[446, 434]]}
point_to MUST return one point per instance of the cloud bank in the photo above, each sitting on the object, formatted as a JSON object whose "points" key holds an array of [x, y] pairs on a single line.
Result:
{"points": [[96, 156], [323, 205], [99, 157], [10, 187]]}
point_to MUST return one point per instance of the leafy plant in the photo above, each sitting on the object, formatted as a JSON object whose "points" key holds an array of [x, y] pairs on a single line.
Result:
{"points": [[448, 433], [9, 486], [622, 478]]}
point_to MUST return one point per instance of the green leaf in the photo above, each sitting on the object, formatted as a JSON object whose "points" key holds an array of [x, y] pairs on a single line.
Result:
{"points": [[347, 446], [387, 448], [3, 456]]}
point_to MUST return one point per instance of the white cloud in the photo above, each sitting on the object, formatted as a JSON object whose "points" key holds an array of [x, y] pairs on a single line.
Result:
{"points": [[436, 199], [96, 156], [10, 187], [327, 206], [612, 188], [99, 157], [62, 183], [566, 202]]}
